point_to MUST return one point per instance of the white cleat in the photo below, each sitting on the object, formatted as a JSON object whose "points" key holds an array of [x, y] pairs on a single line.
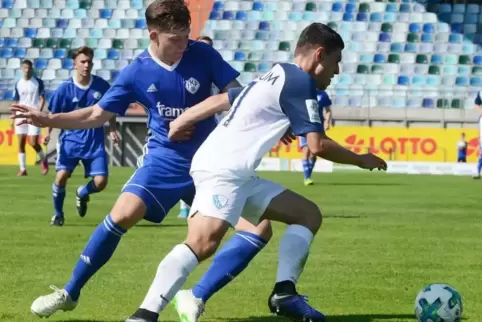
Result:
{"points": [[46, 305], [188, 307]]}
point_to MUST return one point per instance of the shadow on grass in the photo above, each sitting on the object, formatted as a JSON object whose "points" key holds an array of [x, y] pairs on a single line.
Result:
{"points": [[332, 318]]}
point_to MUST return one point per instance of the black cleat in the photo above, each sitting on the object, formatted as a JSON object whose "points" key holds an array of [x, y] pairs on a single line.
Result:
{"points": [[81, 204], [57, 221], [143, 315]]}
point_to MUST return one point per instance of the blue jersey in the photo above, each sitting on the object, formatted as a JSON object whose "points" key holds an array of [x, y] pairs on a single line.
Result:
{"points": [[323, 101], [166, 92], [69, 96]]}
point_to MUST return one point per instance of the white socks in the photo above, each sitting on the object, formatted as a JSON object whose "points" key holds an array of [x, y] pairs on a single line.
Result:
{"points": [[22, 161], [171, 275], [293, 253]]}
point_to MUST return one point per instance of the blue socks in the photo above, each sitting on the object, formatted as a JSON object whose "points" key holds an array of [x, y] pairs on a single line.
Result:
{"points": [[87, 189], [306, 168], [58, 194], [479, 166], [231, 260], [311, 164], [99, 249]]}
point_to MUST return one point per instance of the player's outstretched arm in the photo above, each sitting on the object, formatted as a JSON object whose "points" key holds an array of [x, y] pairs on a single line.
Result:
{"points": [[324, 147], [84, 118]]}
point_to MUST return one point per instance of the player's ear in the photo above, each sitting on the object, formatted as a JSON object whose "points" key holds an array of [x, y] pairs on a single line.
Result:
{"points": [[153, 35], [320, 54]]}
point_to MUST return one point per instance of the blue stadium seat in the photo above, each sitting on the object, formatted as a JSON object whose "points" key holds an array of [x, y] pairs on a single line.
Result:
{"points": [[264, 25], [376, 17], [6, 52], [262, 35], [9, 95], [241, 15], [105, 13], [337, 7], [362, 16], [428, 28], [476, 81], [411, 48], [426, 38], [455, 38], [350, 7], [40, 63], [62, 23], [67, 63], [8, 4], [30, 32], [215, 15], [2, 42], [396, 47], [457, 27], [462, 81], [20, 52], [403, 80], [415, 27], [113, 54], [380, 59], [140, 24], [436, 59], [404, 7], [385, 37], [471, 18], [427, 103], [391, 7], [349, 16], [258, 6], [228, 15], [60, 53], [478, 60], [240, 56], [11, 42], [264, 67], [218, 6]]}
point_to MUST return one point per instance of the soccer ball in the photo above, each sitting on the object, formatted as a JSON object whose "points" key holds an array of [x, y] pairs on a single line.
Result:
{"points": [[438, 303]]}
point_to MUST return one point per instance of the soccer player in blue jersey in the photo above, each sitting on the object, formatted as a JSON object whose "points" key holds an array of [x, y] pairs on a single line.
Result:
{"points": [[87, 146], [166, 79], [478, 107], [309, 159]]}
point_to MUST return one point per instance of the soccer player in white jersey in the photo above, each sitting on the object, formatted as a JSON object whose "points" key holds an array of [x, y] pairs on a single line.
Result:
{"points": [[29, 91], [228, 188], [478, 107]]}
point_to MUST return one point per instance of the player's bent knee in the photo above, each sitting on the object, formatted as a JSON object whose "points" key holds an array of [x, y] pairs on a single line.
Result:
{"points": [[61, 177], [263, 229], [313, 218], [128, 210], [100, 182], [205, 235]]}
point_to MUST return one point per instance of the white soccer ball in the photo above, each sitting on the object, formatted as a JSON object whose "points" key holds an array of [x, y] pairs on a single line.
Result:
{"points": [[438, 303]]}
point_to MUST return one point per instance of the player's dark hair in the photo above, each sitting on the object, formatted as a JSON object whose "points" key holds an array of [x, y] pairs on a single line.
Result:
{"points": [[87, 51], [205, 38], [318, 34], [27, 62], [167, 15]]}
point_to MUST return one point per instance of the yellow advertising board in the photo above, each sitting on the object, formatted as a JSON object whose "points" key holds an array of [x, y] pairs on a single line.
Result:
{"points": [[9, 145], [396, 144]]}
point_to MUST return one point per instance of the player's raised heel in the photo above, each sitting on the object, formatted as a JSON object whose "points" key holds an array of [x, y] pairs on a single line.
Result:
{"points": [[294, 307], [81, 204], [45, 306], [188, 307]]}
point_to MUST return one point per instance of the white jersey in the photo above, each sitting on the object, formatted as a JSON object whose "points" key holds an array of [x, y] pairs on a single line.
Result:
{"points": [[28, 92], [260, 115], [478, 101]]}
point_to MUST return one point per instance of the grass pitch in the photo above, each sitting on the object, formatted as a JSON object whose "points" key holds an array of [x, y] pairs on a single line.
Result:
{"points": [[383, 238]]}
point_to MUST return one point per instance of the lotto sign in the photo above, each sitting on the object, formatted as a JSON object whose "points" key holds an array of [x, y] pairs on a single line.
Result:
{"points": [[9, 145], [396, 144]]}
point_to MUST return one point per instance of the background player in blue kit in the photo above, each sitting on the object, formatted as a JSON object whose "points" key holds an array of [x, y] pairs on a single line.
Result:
{"points": [[166, 79], [81, 90], [309, 159], [478, 107]]}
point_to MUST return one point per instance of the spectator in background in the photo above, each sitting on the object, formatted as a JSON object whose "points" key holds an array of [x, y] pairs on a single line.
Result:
{"points": [[29, 90], [184, 207], [462, 149], [478, 108]]}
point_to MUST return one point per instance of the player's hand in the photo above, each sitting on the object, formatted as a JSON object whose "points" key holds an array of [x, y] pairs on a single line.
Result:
{"points": [[288, 137], [179, 131], [29, 115], [114, 137], [46, 140], [327, 126], [370, 162]]}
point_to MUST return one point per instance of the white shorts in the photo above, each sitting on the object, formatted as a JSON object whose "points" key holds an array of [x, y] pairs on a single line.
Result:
{"points": [[27, 129], [231, 198]]}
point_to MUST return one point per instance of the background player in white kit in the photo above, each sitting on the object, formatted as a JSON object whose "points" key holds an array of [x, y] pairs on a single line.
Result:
{"points": [[228, 188], [478, 108], [29, 91]]}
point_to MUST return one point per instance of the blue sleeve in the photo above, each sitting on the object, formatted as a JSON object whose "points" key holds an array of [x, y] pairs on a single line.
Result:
{"points": [[120, 95], [57, 101], [324, 100], [16, 96], [221, 72], [233, 93], [478, 99], [299, 102], [41, 87]]}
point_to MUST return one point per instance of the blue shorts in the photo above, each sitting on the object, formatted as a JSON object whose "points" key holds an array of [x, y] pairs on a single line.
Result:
{"points": [[92, 167], [159, 193], [302, 142]]}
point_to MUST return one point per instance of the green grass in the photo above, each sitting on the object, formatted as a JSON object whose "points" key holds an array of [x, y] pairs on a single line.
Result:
{"points": [[384, 237]]}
